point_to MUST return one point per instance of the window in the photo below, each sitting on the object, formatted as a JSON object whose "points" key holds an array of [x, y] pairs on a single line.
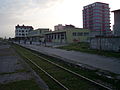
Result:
{"points": [[52, 36], [55, 36], [74, 33], [58, 36], [80, 34], [86, 33], [62, 36]]}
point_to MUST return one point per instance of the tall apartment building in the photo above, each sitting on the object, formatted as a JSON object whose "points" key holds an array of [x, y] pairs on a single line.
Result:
{"points": [[22, 31], [96, 18]]}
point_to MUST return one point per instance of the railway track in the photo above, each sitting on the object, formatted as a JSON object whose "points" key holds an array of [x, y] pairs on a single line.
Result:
{"points": [[65, 78]]}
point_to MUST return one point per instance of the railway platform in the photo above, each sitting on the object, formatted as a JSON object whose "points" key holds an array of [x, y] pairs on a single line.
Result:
{"points": [[79, 58]]}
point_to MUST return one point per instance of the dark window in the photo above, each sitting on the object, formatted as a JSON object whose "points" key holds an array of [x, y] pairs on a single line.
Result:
{"points": [[80, 34], [62, 36], [86, 34], [52, 36], [55, 36], [74, 33], [58, 36]]}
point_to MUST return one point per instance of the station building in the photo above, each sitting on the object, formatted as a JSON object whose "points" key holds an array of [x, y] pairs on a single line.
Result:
{"points": [[69, 35]]}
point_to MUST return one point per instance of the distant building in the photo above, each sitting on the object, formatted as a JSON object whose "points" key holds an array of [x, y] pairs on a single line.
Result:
{"points": [[22, 31], [61, 27], [69, 35], [96, 18], [116, 26], [58, 27], [37, 35]]}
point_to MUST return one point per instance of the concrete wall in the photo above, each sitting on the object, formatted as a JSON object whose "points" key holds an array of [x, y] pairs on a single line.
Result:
{"points": [[105, 43]]}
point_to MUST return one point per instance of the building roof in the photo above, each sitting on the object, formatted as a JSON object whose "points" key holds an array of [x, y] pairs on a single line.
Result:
{"points": [[18, 26], [116, 10], [102, 3], [69, 29], [95, 3]]}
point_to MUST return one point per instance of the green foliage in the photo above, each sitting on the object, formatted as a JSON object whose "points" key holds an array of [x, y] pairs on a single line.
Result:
{"points": [[20, 85]]}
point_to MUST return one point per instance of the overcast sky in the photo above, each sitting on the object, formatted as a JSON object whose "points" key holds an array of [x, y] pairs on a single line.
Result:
{"points": [[44, 13]]}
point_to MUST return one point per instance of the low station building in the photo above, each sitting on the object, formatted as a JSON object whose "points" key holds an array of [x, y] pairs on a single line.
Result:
{"points": [[70, 35], [37, 35]]}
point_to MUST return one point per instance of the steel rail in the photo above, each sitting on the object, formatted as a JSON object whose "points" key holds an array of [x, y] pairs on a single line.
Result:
{"points": [[81, 76], [59, 83]]}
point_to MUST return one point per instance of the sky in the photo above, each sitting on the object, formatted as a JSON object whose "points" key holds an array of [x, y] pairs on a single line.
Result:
{"points": [[44, 13]]}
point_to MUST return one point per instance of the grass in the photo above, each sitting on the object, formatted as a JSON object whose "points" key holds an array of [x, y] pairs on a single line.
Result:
{"points": [[74, 83], [20, 85], [17, 71], [84, 47]]}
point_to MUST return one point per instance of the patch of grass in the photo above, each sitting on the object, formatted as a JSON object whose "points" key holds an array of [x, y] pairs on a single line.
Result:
{"points": [[20, 85], [17, 71], [21, 70], [84, 47], [7, 73]]}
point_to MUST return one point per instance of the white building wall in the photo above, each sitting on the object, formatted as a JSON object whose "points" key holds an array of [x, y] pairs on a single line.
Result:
{"points": [[22, 31]]}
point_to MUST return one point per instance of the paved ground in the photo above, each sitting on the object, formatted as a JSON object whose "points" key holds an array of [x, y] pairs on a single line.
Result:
{"points": [[13, 68], [10, 67], [101, 62]]}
